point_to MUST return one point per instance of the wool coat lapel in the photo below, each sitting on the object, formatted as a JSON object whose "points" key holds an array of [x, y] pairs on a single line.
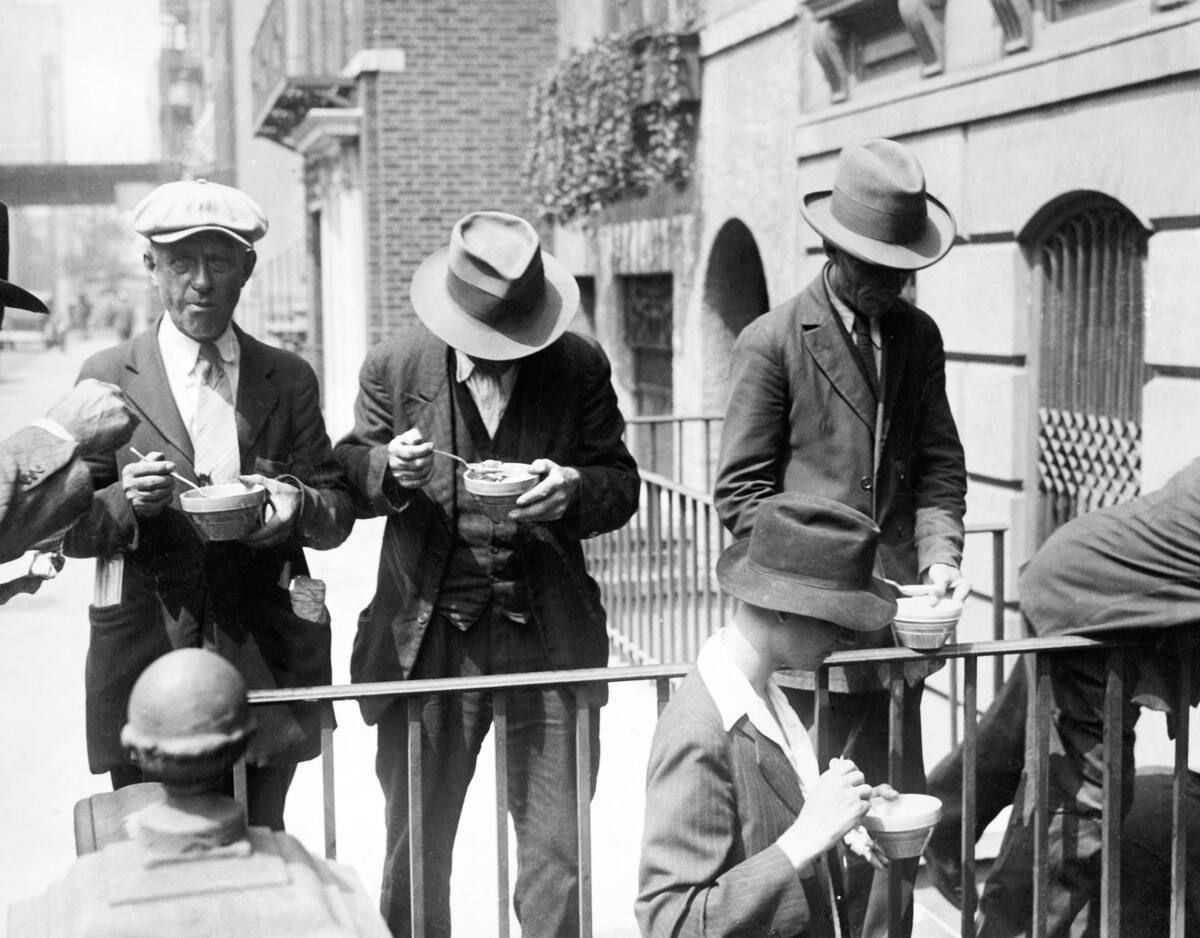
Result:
{"points": [[149, 392], [824, 342], [257, 395], [776, 770], [897, 344]]}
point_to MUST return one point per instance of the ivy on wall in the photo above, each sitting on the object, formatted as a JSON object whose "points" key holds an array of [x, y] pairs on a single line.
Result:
{"points": [[611, 123]]}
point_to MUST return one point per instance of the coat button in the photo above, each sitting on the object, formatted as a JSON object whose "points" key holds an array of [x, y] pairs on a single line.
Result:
{"points": [[866, 483], [422, 618]]}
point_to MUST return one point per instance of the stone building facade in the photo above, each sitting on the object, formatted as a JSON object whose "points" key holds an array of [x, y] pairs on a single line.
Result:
{"points": [[1061, 135]]}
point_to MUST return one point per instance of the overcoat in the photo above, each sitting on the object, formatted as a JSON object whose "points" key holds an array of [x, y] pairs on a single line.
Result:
{"points": [[716, 802], [179, 590], [567, 412], [44, 485], [802, 418]]}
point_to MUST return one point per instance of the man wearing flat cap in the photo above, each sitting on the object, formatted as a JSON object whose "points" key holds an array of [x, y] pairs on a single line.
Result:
{"points": [[216, 406], [44, 482], [740, 817], [841, 392], [490, 372]]}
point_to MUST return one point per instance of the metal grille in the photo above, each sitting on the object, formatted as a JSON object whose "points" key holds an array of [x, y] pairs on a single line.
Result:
{"points": [[649, 324], [1092, 371]]}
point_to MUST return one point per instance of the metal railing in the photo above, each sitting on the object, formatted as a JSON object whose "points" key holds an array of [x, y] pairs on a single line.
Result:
{"points": [[690, 441], [412, 694]]}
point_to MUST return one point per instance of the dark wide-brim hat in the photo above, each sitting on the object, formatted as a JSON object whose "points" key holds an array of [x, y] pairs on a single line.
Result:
{"points": [[13, 295], [493, 293], [810, 556], [878, 209]]}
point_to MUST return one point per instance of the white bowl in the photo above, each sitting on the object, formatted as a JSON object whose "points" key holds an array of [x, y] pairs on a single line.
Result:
{"points": [[902, 827], [923, 626], [225, 512], [497, 497]]}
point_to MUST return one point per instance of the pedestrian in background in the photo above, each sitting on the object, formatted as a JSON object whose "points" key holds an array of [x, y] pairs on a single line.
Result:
{"points": [[841, 392], [216, 406], [490, 373]]}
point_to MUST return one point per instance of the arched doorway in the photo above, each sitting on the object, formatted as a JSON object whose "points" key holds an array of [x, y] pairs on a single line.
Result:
{"points": [[735, 292], [1087, 253]]}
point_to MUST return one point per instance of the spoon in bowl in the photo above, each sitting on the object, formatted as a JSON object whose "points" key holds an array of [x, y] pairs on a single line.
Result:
{"points": [[468, 465], [187, 481]]}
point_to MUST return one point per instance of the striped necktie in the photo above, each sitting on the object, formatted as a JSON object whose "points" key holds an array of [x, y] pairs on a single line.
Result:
{"points": [[866, 350], [214, 427]]}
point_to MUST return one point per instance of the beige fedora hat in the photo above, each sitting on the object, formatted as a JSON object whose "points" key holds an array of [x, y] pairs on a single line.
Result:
{"points": [[878, 209], [493, 292]]}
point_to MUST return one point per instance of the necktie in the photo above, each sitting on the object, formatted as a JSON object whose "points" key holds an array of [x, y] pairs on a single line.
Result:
{"points": [[866, 350], [214, 428], [487, 388]]}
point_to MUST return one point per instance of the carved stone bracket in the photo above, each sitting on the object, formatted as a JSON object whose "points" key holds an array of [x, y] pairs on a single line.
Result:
{"points": [[923, 19], [829, 46], [1016, 19]]}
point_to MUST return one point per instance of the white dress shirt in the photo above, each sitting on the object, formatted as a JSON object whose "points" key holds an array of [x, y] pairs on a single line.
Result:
{"points": [[180, 355], [490, 391]]}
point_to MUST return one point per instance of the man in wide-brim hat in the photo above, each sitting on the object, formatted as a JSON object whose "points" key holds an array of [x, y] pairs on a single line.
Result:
{"points": [[840, 392], [739, 814], [488, 372]]}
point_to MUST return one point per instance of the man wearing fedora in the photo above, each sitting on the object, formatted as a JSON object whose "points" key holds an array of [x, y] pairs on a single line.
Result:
{"points": [[739, 816], [841, 392], [490, 372], [216, 406], [44, 482]]}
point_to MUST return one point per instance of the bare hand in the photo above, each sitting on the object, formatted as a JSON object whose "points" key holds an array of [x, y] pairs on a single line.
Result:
{"points": [[946, 579], [550, 499], [281, 518], [95, 414], [148, 484], [410, 459], [832, 807]]}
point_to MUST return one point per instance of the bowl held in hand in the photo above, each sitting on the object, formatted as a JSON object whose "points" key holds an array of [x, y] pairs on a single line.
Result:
{"points": [[497, 485], [923, 626], [902, 827], [225, 512]]}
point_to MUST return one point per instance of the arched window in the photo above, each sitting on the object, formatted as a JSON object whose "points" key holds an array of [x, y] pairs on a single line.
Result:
{"points": [[1087, 251]]}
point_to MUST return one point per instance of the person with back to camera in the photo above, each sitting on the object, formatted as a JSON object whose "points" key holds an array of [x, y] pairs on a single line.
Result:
{"points": [[739, 818]]}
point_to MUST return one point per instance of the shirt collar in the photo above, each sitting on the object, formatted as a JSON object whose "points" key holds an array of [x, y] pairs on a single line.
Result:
{"points": [[731, 690], [182, 351], [464, 368]]}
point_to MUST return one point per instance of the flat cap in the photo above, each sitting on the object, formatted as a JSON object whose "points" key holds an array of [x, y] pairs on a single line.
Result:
{"points": [[177, 210]]}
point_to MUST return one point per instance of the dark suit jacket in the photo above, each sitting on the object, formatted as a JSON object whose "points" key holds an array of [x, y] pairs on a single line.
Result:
{"points": [[180, 591], [1132, 567], [800, 419], [716, 802], [44, 485], [564, 401]]}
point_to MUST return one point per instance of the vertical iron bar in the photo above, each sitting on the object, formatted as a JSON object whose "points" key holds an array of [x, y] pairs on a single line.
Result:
{"points": [[583, 804], [500, 730], [662, 687], [416, 818], [970, 767], [997, 607], [239, 783], [671, 621], [1114, 783], [1040, 708], [327, 777], [1179, 788], [896, 780]]}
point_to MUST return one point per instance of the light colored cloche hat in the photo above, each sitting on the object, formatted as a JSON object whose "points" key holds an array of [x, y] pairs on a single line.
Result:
{"points": [[493, 292], [811, 556], [177, 210], [878, 209]]}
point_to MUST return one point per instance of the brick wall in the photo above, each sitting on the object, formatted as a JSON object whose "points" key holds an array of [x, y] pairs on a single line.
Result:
{"points": [[448, 134]]}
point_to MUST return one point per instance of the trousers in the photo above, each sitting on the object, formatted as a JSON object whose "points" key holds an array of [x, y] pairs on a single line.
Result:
{"points": [[541, 778]]}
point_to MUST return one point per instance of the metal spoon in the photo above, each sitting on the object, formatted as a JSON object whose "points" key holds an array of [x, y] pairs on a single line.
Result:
{"points": [[203, 493], [469, 465]]}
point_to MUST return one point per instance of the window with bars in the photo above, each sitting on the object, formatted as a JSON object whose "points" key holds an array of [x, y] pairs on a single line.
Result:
{"points": [[1089, 274]]}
